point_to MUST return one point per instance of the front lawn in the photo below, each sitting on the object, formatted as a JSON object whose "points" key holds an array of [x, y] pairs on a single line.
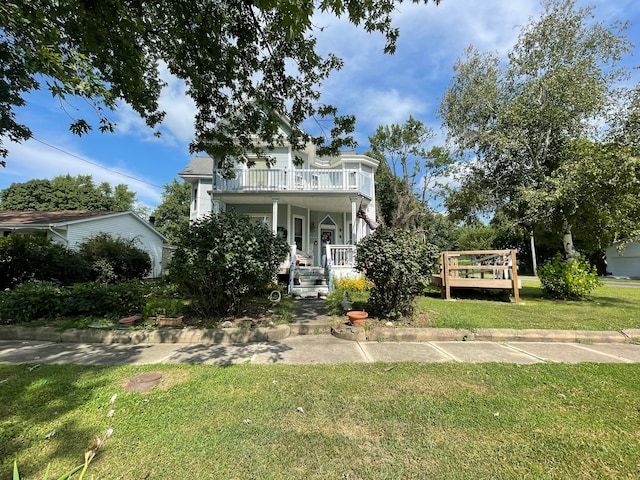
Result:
{"points": [[609, 308], [378, 421]]}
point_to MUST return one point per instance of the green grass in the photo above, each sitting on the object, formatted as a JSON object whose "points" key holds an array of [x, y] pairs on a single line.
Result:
{"points": [[450, 421], [609, 308]]}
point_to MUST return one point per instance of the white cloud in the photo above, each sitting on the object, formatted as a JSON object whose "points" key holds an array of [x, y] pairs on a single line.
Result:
{"points": [[390, 106], [178, 124], [382, 89], [32, 159]]}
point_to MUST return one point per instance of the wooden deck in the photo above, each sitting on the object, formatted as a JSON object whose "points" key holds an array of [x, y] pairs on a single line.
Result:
{"points": [[491, 269]]}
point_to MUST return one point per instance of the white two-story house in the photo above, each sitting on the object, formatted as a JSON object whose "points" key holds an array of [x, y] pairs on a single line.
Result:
{"points": [[314, 206]]}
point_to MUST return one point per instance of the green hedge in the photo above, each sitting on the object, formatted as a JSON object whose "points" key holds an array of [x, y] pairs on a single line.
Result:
{"points": [[48, 300]]}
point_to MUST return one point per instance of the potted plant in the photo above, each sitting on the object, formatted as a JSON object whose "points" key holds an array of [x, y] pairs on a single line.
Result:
{"points": [[358, 318]]}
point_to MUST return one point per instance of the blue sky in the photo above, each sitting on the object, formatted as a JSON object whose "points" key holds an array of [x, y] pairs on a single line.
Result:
{"points": [[379, 89]]}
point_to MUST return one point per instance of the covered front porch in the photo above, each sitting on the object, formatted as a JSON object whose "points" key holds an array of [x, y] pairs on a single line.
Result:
{"points": [[323, 227]]}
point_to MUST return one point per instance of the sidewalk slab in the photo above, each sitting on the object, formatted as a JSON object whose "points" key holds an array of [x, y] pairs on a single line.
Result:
{"points": [[626, 351], [216, 354], [484, 352], [403, 352], [567, 352], [82, 353], [310, 349]]}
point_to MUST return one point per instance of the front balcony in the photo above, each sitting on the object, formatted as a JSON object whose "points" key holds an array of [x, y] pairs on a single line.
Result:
{"points": [[294, 180]]}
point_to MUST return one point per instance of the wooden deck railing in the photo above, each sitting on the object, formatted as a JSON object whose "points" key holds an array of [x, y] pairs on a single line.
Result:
{"points": [[478, 269]]}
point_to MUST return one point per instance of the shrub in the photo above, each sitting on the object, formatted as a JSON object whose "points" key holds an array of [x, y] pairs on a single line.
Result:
{"points": [[36, 299], [34, 257], [568, 280], [104, 300], [32, 300], [171, 307], [115, 260], [223, 258], [399, 265]]}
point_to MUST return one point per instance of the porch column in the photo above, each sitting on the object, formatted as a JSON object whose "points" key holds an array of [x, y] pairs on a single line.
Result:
{"points": [[274, 216], [215, 207], [355, 231]]}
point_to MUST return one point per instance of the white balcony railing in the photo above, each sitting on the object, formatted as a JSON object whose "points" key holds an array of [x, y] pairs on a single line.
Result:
{"points": [[271, 179]]}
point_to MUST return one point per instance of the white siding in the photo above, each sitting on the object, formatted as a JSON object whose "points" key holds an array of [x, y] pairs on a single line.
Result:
{"points": [[124, 226], [625, 263], [281, 156], [203, 198]]}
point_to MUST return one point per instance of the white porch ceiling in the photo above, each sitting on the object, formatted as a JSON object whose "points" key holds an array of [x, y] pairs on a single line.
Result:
{"points": [[330, 202]]}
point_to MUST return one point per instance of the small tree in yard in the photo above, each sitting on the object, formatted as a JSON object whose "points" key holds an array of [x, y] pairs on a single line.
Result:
{"points": [[223, 259], [399, 265], [572, 280]]}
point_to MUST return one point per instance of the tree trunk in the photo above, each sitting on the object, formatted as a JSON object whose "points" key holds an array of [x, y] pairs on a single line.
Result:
{"points": [[570, 252]]}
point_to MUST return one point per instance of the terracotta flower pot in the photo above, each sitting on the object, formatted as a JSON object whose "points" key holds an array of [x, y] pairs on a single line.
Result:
{"points": [[129, 321], [357, 318]]}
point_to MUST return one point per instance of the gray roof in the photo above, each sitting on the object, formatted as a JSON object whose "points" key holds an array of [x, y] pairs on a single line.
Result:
{"points": [[32, 217], [198, 166]]}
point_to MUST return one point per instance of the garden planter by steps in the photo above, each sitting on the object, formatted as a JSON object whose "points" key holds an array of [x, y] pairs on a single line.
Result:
{"points": [[169, 321]]}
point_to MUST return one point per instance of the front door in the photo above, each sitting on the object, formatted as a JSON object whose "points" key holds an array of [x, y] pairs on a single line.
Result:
{"points": [[298, 233], [328, 236]]}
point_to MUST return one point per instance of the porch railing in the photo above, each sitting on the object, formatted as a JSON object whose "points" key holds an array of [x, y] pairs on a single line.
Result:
{"points": [[296, 179], [342, 255], [339, 257]]}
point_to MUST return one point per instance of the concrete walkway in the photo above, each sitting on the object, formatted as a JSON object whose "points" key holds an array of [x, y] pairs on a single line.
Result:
{"points": [[315, 349], [308, 341]]}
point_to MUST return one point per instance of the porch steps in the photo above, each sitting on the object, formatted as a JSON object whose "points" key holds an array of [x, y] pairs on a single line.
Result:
{"points": [[313, 282]]}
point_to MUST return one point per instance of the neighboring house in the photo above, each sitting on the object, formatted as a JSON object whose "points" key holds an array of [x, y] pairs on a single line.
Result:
{"points": [[624, 263], [72, 227], [314, 206]]}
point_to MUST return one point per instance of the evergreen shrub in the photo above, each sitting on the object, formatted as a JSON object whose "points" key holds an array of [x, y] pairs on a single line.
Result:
{"points": [[399, 265]]}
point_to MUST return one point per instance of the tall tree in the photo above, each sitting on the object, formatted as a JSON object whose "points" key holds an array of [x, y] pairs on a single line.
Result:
{"points": [[245, 63], [626, 120], [408, 171], [595, 189], [65, 192], [172, 215], [517, 121]]}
